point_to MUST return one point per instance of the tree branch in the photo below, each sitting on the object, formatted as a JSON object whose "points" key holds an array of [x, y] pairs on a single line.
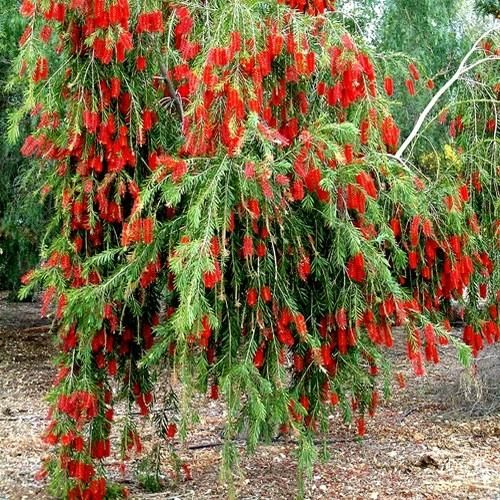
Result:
{"points": [[176, 99], [462, 69]]}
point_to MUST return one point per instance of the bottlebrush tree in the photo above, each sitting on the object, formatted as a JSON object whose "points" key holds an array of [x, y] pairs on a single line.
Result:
{"points": [[228, 209]]}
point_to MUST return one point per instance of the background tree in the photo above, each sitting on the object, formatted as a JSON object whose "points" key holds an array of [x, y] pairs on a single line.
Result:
{"points": [[21, 214], [435, 35], [488, 7]]}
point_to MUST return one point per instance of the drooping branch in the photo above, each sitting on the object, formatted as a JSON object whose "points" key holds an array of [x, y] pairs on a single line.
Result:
{"points": [[462, 69], [176, 99]]}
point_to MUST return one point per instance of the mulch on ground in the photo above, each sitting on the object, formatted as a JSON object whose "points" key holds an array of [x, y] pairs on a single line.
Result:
{"points": [[437, 439]]}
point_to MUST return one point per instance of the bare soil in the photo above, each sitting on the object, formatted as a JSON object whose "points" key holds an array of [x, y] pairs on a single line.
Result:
{"points": [[437, 439]]}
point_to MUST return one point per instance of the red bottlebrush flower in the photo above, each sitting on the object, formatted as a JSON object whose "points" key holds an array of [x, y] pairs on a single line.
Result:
{"points": [[312, 179], [427, 228], [102, 51], [97, 488], [252, 296], [147, 230], [171, 430], [313, 7], [400, 378], [100, 449], [115, 87], [453, 128], [148, 119], [455, 244], [41, 70], [493, 312], [61, 306], [300, 324], [261, 249], [449, 203], [47, 298], [304, 401], [356, 268], [412, 259], [211, 278], [81, 471], [150, 22], [364, 128], [390, 134], [414, 230], [396, 227], [298, 363], [27, 8], [247, 248], [266, 294], [464, 193], [426, 273], [254, 208], [476, 181], [141, 63], [112, 367], [304, 268], [45, 33], [365, 180], [91, 121], [348, 153], [180, 169], [414, 72], [214, 392], [356, 199], [334, 399], [123, 46], [410, 85], [258, 359], [27, 277], [297, 190], [342, 341], [249, 169], [56, 12], [430, 84], [361, 426], [417, 364], [22, 40], [341, 318], [389, 86], [215, 246]]}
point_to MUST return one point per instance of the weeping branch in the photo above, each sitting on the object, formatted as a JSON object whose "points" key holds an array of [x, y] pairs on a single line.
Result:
{"points": [[174, 96]]}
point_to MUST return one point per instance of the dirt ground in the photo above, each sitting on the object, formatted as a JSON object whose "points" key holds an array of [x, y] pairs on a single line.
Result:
{"points": [[437, 439]]}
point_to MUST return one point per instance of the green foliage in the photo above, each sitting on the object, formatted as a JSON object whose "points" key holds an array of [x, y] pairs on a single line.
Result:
{"points": [[21, 213], [488, 7]]}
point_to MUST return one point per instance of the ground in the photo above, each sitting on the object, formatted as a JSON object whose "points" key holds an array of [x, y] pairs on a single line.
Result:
{"points": [[437, 439]]}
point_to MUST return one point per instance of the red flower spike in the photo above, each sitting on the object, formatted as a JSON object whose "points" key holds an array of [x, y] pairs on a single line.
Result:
{"points": [[252, 296], [361, 426], [390, 134], [356, 268], [414, 72], [247, 248], [214, 392], [150, 22], [27, 8], [389, 86], [304, 268], [171, 430], [410, 85]]}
